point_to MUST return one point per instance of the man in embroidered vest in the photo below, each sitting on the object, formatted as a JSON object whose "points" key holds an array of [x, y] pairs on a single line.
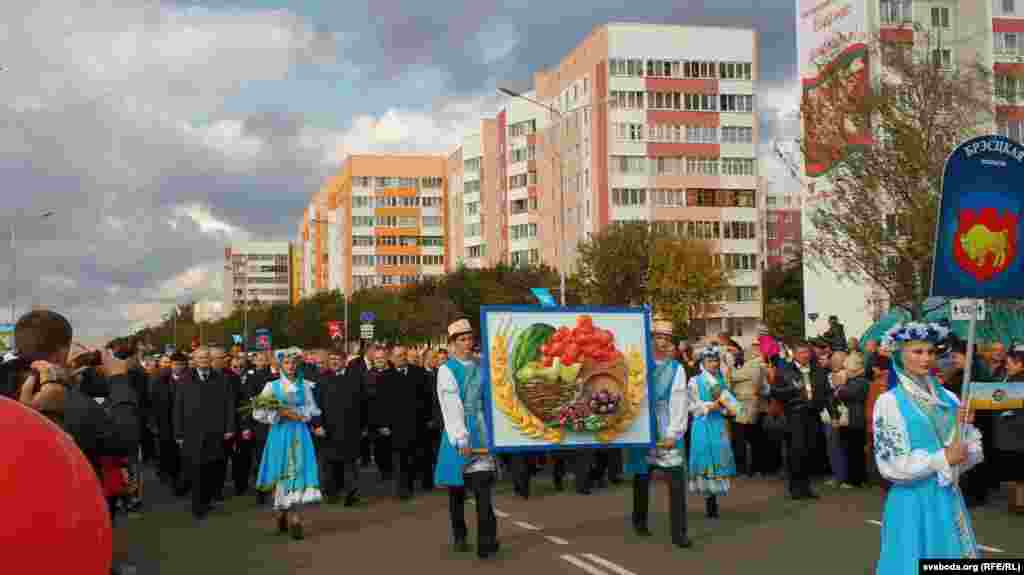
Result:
{"points": [[462, 462], [670, 401]]}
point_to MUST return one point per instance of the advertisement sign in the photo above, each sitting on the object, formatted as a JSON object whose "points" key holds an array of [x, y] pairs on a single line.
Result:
{"points": [[977, 254], [335, 329], [997, 396], [6, 337], [263, 339], [832, 42], [566, 378]]}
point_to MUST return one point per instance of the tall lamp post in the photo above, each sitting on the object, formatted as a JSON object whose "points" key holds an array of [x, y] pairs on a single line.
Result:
{"points": [[14, 260], [345, 281], [561, 184]]}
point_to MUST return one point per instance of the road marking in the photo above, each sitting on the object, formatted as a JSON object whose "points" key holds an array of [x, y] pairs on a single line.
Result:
{"points": [[500, 513], [608, 564], [980, 546], [556, 540], [526, 525], [585, 566]]}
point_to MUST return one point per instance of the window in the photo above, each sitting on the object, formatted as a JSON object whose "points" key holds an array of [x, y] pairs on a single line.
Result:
{"points": [[517, 181], [940, 17], [737, 103], [471, 187], [702, 166], [1008, 7], [362, 221], [738, 167], [430, 221], [522, 231], [472, 165], [895, 12], [1007, 43], [700, 102], [629, 197], [942, 58], [738, 230], [1012, 129], [472, 230], [737, 135], [734, 70], [431, 182], [630, 100], [361, 201], [472, 208], [628, 164]]}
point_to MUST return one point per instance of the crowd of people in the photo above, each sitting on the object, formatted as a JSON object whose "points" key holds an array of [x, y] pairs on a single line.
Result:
{"points": [[297, 427]]}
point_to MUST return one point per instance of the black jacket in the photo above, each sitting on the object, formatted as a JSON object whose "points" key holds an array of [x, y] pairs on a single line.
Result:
{"points": [[407, 404], [853, 394], [788, 389], [203, 413], [106, 427], [340, 399]]}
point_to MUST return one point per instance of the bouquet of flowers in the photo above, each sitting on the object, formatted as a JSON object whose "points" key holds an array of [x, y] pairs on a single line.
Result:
{"points": [[261, 402]]}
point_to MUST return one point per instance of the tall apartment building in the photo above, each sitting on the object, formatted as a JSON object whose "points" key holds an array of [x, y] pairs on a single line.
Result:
{"points": [[951, 32], [380, 221], [639, 122], [257, 272], [782, 222]]}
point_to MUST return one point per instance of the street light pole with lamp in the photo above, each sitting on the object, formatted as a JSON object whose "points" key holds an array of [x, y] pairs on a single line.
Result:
{"points": [[561, 184], [14, 261]]}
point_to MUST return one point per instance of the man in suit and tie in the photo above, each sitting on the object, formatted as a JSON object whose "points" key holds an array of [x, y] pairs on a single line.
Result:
{"points": [[404, 392], [340, 399]]}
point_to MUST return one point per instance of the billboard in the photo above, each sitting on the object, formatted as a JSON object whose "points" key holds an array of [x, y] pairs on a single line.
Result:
{"points": [[831, 37], [977, 253]]}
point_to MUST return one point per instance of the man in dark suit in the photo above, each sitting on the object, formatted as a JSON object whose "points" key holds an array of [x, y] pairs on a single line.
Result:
{"points": [[239, 448], [376, 416], [340, 399], [429, 437], [803, 388], [254, 381], [204, 418], [358, 368], [404, 394], [164, 389]]}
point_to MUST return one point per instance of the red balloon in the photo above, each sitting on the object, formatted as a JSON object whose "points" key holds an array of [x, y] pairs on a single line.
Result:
{"points": [[55, 519]]}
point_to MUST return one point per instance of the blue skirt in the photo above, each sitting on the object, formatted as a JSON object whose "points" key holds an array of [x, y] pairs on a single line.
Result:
{"points": [[450, 463], [289, 466], [923, 520], [711, 459]]}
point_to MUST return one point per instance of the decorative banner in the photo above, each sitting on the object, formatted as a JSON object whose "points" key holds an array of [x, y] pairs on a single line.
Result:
{"points": [[237, 339], [997, 396], [6, 337], [335, 329], [976, 243], [566, 378], [263, 338], [544, 297]]}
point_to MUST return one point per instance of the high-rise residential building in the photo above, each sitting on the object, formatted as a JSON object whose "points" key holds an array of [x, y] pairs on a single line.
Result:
{"points": [[782, 222], [257, 272], [952, 33], [522, 126], [380, 221], [479, 220]]}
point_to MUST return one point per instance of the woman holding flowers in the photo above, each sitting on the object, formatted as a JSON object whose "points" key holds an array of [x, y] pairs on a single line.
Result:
{"points": [[289, 466], [711, 458], [918, 447]]}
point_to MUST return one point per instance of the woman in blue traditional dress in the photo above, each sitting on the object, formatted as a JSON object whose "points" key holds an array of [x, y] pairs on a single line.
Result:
{"points": [[918, 447], [711, 458], [289, 466], [462, 461], [669, 452]]}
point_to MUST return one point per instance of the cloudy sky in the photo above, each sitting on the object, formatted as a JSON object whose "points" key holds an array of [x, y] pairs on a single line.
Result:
{"points": [[160, 132]]}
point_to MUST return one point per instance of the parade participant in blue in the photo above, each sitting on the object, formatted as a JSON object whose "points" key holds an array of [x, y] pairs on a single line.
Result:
{"points": [[711, 458], [461, 464], [918, 447], [289, 466], [670, 405]]}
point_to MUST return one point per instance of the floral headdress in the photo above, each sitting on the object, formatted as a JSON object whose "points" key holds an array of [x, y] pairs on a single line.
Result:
{"points": [[711, 352], [914, 331]]}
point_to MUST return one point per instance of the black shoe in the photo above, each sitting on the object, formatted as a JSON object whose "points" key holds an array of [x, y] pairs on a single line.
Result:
{"points": [[261, 497], [333, 499], [282, 524], [559, 485], [616, 480], [486, 551], [682, 542], [584, 491], [351, 498], [811, 495], [297, 532], [642, 530], [460, 546]]}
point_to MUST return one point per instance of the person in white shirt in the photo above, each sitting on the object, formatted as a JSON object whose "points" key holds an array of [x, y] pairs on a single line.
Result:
{"points": [[462, 461]]}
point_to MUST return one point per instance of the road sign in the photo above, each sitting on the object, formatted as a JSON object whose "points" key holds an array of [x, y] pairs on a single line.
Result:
{"points": [[544, 297], [960, 309], [366, 331], [335, 329], [367, 317]]}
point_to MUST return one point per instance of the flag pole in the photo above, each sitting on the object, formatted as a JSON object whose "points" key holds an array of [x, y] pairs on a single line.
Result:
{"points": [[965, 391]]}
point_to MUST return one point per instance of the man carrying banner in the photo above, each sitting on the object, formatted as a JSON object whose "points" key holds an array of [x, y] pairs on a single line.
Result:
{"points": [[460, 462], [670, 404]]}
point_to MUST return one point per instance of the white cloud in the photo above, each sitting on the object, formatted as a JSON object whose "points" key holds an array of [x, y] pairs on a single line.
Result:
{"points": [[497, 41], [201, 216]]}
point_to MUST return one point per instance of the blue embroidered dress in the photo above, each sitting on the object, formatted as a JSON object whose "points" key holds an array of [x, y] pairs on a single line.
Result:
{"points": [[925, 516], [711, 458], [289, 464], [461, 397], [671, 415]]}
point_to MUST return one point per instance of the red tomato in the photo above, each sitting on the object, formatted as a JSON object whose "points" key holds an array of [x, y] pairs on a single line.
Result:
{"points": [[588, 350], [548, 361], [604, 337], [568, 359], [572, 349], [585, 321], [544, 349], [556, 348]]}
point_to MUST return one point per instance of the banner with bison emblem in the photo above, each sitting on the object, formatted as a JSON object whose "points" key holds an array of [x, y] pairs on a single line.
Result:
{"points": [[977, 253], [566, 378]]}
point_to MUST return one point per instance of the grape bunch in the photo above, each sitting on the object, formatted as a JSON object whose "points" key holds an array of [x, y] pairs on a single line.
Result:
{"points": [[573, 416], [604, 402]]}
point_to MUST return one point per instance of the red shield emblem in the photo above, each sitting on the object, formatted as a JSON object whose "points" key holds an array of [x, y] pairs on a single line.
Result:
{"points": [[985, 243]]}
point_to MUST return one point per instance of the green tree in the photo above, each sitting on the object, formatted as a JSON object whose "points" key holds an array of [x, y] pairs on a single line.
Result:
{"points": [[614, 265], [686, 281]]}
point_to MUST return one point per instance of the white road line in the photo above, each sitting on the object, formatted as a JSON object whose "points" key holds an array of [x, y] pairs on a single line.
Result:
{"points": [[556, 540], [608, 564], [585, 566], [526, 525], [980, 546], [500, 513]]}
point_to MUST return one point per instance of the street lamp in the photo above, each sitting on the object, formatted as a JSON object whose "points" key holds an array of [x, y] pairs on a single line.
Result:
{"points": [[345, 281], [14, 262], [561, 184]]}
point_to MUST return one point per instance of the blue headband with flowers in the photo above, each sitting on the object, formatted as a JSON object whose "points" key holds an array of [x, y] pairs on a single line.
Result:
{"points": [[711, 352], [914, 331]]}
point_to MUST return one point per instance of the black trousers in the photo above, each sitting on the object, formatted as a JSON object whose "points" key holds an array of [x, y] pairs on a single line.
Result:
{"points": [[768, 452], [481, 483], [380, 446], [853, 441], [677, 502], [607, 464], [241, 464], [582, 461], [204, 478], [170, 460], [802, 438], [745, 438], [428, 444], [339, 475], [405, 460]]}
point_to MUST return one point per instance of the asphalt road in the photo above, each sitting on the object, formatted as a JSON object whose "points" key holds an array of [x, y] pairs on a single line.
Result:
{"points": [[552, 532]]}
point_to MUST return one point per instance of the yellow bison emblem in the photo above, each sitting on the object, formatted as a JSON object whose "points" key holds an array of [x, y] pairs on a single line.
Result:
{"points": [[979, 242]]}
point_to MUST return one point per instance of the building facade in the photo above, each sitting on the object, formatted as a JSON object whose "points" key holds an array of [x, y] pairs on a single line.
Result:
{"points": [[257, 272], [379, 222], [782, 222]]}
